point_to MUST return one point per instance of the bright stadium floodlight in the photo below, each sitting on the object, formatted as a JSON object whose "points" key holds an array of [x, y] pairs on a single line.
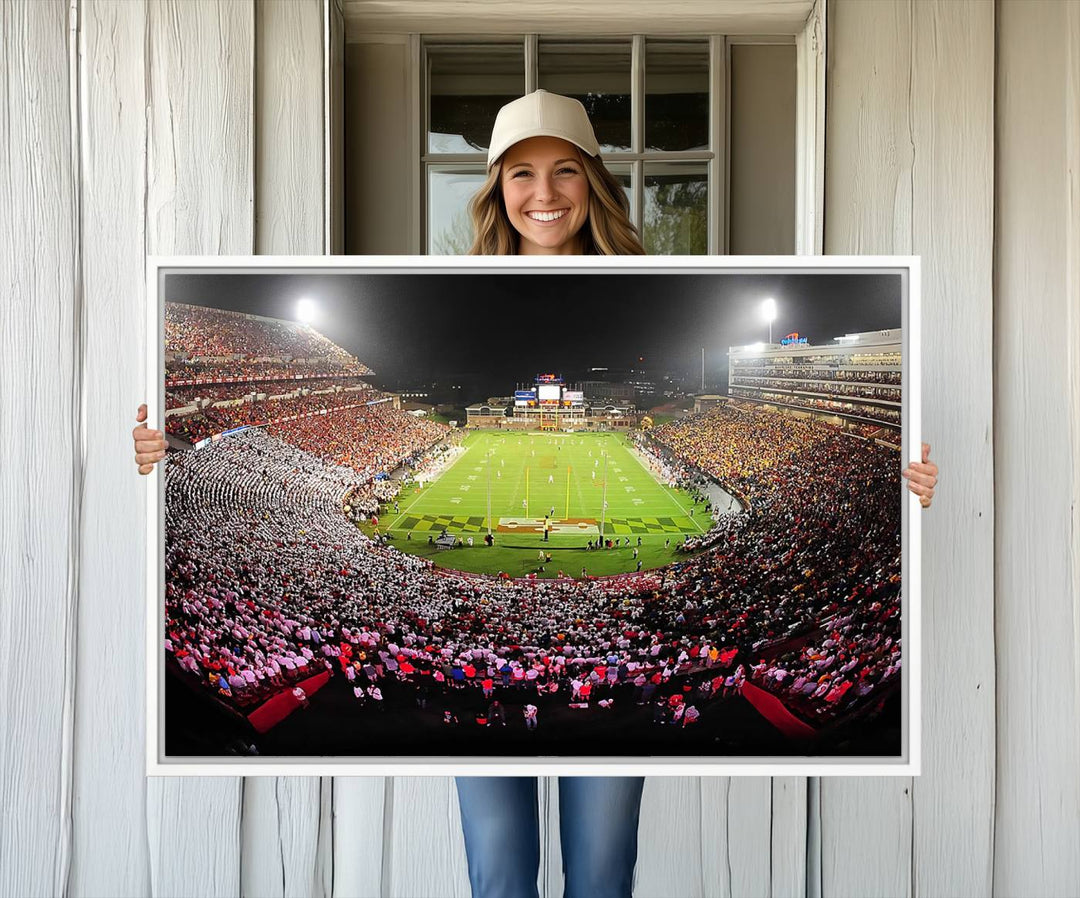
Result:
{"points": [[305, 311], [756, 347], [768, 313]]}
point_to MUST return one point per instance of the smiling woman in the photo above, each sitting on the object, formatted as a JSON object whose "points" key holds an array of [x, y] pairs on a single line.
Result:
{"points": [[546, 195], [547, 190]]}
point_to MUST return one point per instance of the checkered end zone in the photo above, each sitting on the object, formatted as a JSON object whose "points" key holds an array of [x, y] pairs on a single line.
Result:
{"points": [[475, 524], [439, 522], [650, 525]]}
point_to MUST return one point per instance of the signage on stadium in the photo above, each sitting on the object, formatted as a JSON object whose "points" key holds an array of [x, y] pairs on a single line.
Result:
{"points": [[792, 338]]}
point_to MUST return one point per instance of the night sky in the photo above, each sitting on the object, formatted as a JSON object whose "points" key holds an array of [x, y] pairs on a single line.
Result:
{"points": [[505, 328]]}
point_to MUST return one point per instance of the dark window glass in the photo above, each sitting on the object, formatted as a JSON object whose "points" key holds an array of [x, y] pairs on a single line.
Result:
{"points": [[676, 95], [597, 74], [467, 85]]}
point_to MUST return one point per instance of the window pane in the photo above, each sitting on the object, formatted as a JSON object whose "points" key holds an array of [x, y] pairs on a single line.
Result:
{"points": [[449, 191], [624, 176], [676, 209], [597, 74], [676, 95], [467, 84]]}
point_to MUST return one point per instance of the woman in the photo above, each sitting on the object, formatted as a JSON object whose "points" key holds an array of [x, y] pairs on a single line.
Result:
{"points": [[548, 193]]}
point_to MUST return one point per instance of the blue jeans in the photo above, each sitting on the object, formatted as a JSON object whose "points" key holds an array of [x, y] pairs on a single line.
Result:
{"points": [[598, 821]]}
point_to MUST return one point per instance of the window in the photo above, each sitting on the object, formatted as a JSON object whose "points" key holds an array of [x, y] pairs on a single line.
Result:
{"points": [[655, 104], [718, 140]]}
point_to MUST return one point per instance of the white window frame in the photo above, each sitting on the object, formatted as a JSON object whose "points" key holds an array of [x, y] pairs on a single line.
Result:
{"points": [[809, 42]]}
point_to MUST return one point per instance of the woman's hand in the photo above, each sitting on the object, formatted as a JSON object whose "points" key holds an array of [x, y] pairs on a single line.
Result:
{"points": [[149, 444], [922, 477]]}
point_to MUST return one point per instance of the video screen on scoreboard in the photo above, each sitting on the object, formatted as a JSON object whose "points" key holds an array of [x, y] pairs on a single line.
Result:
{"points": [[549, 392]]}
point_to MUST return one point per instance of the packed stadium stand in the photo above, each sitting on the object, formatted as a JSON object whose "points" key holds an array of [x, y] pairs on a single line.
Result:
{"points": [[213, 346], [855, 380], [268, 580]]}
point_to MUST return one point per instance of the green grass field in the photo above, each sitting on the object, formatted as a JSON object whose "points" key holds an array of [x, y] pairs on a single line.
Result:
{"points": [[539, 474]]}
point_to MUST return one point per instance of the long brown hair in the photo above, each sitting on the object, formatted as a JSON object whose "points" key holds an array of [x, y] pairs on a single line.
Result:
{"points": [[607, 232]]}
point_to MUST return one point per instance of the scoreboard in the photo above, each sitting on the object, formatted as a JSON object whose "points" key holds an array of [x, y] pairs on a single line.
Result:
{"points": [[549, 389], [549, 393]]}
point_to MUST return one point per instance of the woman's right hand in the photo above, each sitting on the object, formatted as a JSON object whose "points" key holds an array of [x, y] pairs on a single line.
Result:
{"points": [[149, 444]]}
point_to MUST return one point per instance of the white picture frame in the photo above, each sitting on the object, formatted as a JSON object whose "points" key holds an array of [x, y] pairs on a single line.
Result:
{"points": [[906, 763]]}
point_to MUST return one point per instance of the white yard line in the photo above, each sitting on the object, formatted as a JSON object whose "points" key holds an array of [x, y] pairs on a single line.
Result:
{"points": [[663, 487], [407, 510], [577, 482], [423, 494], [517, 493]]}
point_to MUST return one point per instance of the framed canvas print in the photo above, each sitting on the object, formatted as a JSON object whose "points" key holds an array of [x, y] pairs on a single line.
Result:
{"points": [[506, 515]]}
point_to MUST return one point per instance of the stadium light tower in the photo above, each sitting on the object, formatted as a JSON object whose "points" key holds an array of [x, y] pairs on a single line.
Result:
{"points": [[305, 311], [768, 313]]}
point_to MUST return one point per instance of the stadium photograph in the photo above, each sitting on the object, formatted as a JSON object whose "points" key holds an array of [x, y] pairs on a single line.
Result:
{"points": [[514, 515]]}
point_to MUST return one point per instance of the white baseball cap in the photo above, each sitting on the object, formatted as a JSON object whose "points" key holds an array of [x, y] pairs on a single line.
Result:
{"points": [[541, 114]]}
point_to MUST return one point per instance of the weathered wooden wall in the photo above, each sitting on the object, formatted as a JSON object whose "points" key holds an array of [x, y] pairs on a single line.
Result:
{"points": [[41, 476], [909, 150], [200, 199], [953, 132], [109, 821], [1037, 454]]}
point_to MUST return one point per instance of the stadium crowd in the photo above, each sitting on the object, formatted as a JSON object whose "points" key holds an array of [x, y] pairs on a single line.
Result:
{"points": [[219, 418], [195, 332], [886, 415], [892, 394], [179, 373], [268, 579], [371, 440], [180, 397], [857, 651], [821, 545], [821, 373]]}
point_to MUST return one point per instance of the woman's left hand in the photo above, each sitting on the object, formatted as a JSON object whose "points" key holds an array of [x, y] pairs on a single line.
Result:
{"points": [[922, 477]]}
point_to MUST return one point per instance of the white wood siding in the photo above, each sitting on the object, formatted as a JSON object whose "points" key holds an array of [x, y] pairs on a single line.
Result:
{"points": [[109, 821], [197, 127], [1036, 305], [40, 438], [199, 196], [909, 169]]}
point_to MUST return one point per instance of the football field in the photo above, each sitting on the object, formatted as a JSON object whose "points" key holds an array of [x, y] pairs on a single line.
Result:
{"points": [[526, 477]]}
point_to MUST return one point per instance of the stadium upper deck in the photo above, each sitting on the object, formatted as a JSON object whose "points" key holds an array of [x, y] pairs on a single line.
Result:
{"points": [[855, 380], [226, 371], [205, 346]]}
